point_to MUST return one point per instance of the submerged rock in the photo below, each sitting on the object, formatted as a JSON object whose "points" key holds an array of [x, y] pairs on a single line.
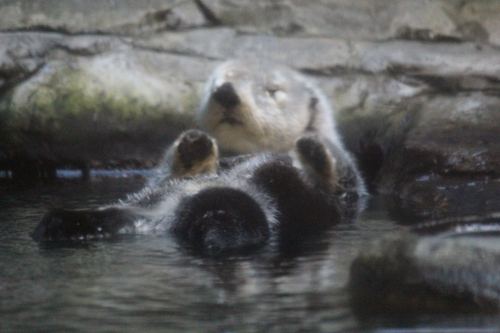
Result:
{"points": [[404, 273]]}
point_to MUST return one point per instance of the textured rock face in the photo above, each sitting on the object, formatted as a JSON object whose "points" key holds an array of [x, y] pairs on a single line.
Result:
{"points": [[436, 155], [95, 103], [88, 98], [402, 274], [448, 161], [415, 84], [127, 17]]}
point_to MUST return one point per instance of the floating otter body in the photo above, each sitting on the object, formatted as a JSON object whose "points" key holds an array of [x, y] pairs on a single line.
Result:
{"points": [[253, 106], [217, 206], [289, 174]]}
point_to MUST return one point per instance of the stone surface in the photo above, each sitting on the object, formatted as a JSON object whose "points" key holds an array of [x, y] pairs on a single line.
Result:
{"points": [[121, 17], [402, 273], [363, 19], [437, 155], [415, 83], [93, 98]]}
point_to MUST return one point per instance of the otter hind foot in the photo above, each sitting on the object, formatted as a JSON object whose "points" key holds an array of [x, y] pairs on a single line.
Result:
{"points": [[62, 224], [221, 220], [195, 154]]}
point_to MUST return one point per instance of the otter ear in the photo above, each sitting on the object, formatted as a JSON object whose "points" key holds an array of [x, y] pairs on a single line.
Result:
{"points": [[313, 113], [313, 102]]}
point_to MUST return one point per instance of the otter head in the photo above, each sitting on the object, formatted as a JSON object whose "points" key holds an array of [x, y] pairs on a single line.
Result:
{"points": [[252, 106]]}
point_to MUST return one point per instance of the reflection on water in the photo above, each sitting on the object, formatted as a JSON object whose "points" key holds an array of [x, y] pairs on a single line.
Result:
{"points": [[149, 284]]}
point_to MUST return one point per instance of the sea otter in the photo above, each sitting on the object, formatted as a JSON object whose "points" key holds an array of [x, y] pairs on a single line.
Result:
{"points": [[220, 206], [253, 105]]}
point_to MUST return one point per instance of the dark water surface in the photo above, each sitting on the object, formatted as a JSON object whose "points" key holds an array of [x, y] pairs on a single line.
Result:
{"points": [[149, 284]]}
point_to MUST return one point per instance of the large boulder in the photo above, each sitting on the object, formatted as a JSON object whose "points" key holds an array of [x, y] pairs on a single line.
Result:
{"points": [[103, 17], [92, 99], [405, 274], [435, 155], [95, 103], [363, 19]]}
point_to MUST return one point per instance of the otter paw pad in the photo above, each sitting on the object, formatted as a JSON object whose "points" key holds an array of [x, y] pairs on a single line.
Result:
{"points": [[195, 146]]}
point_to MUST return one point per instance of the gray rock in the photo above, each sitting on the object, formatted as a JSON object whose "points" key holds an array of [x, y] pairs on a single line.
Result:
{"points": [[437, 155], [369, 20], [322, 55], [403, 273], [479, 20], [93, 98], [127, 17], [390, 69], [337, 18], [436, 20]]}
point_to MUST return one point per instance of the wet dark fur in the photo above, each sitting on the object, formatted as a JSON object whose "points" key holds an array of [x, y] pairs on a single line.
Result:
{"points": [[247, 200]]}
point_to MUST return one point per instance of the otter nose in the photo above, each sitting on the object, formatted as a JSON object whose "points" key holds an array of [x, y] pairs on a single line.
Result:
{"points": [[226, 96]]}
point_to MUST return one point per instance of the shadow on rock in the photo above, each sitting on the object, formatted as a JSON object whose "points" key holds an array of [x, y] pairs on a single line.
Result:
{"points": [[435, 197]]}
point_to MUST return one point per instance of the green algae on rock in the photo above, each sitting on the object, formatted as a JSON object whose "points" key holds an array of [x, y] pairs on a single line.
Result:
{"points": [[96, 103]]}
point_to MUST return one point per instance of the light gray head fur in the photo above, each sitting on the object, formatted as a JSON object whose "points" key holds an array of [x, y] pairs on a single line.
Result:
{"points": [[275, 106]]}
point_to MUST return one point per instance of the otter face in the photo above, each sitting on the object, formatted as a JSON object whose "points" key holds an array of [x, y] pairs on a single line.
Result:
{"points": [[254, 106]]}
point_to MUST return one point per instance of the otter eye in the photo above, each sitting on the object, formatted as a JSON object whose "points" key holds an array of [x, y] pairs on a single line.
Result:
{"points": [[272, 90]]}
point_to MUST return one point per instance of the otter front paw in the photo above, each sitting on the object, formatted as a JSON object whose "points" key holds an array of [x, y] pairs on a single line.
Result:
{"points": [[195, 154], [316, 160], [62, 224]]}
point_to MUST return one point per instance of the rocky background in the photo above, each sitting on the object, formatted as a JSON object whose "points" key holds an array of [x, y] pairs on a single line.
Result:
{"points": [[416, 85]]}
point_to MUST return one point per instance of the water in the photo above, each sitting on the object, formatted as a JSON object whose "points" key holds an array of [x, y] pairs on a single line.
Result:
{"points": [[149, 284]]}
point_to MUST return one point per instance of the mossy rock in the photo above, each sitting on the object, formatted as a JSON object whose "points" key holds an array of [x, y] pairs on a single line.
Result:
{"points": [[93, 108]]}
